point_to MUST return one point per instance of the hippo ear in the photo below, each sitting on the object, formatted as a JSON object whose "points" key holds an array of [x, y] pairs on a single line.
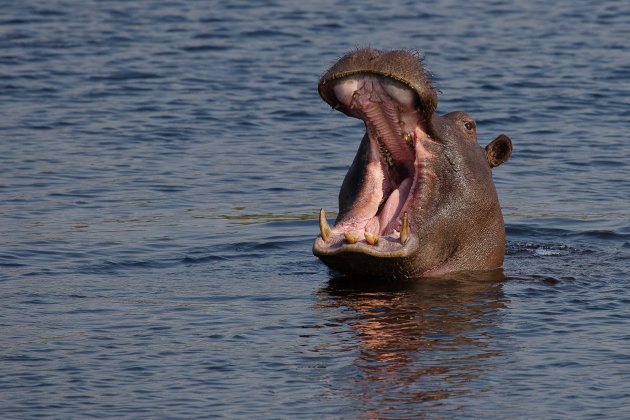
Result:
{"points": [[499, 150]]}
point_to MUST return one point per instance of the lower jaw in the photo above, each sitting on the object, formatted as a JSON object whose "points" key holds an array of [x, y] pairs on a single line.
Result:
{"points": [[369, 261], [352, 235]]}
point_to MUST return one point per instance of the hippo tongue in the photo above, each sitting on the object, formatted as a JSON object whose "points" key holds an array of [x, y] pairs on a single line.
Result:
{"points": [[384, 222]]}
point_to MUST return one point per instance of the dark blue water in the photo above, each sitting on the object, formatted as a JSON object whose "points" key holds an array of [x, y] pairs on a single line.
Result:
{"points": [[161, 169]]}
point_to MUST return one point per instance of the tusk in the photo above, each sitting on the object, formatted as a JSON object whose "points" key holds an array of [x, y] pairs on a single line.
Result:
{"points": [[324, 227], [404, 229]]}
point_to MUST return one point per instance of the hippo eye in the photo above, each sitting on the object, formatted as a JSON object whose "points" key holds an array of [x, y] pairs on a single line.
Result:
{"points": [[469, 125]]}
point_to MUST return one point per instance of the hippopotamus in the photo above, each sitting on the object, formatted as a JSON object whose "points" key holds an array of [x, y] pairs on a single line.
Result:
{"points": [[418, 199]]}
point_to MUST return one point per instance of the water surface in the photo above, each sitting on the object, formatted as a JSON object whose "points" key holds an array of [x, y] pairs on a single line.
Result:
{"points": [[162, 166]]}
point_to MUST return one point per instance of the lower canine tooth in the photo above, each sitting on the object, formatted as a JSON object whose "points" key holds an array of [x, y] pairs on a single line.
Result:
{"points": [[371, 239], [350, 237], [404, 229], [324, 227]]}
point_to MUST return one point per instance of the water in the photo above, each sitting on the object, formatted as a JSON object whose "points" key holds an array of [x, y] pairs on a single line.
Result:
{"points": [[162, 165]]}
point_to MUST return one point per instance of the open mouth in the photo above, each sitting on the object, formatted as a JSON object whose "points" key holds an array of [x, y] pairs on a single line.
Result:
{"points": [[395, 124]]}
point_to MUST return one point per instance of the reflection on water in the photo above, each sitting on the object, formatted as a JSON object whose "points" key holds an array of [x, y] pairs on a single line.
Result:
{"points": [[422, 341]]}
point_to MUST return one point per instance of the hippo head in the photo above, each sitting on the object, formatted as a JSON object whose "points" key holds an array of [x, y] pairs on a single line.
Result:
{"points": [[418, 199]]}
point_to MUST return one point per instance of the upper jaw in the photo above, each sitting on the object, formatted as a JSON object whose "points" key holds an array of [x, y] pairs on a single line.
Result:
{"points": [[401, 66], [338, 91]]}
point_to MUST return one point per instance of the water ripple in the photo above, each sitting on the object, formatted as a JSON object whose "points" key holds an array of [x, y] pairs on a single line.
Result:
{"points": [[163, 165]]}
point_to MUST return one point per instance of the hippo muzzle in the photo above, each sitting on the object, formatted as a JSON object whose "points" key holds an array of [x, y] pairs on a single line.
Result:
{"points": [[418, 198]]}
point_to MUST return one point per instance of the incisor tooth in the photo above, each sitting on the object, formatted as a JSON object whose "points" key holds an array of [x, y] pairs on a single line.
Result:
{"points": [[324, 227], [371, 239], [351, 237], [404, 229]]}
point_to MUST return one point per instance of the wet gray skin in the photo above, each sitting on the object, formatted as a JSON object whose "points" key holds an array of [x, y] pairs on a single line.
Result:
{"points": [[418, 199]]}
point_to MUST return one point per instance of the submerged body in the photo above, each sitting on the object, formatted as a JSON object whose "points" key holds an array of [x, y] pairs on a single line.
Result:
{"points": [[418, 199]]}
